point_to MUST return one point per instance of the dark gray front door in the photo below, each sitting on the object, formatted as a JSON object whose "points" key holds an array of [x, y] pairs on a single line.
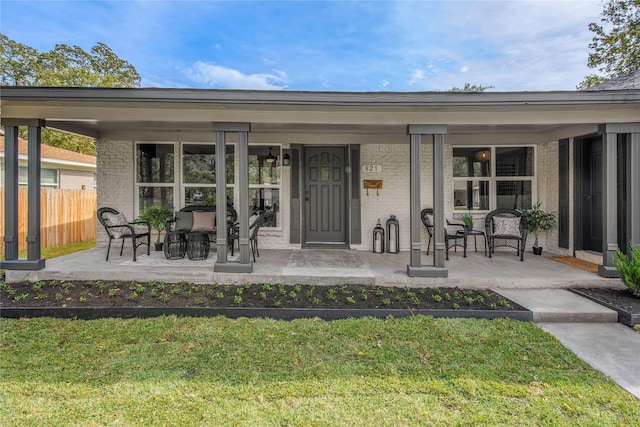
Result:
{"points": [[592, 195], [325, 195]]}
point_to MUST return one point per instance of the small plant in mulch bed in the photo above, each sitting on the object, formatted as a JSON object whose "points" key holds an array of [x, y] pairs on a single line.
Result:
{"points": [[629, 268], [104, 293]]}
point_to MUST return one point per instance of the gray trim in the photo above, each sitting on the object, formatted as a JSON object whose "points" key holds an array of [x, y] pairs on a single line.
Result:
{"points": [[34, 184], [563, 193], [609, 204], [356, 217], [295, 214], [415, 268], [221, 198], [619, 128], [38, 95], [438, 200], [426, 129], [222, 264], [243, 196], [634, 189], [414, 204], [231, 127], [10, 194], [22, 122]]}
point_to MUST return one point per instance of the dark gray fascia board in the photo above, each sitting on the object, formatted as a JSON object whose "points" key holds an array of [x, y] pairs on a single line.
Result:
{"points": [[199, 96], [619, 128]]}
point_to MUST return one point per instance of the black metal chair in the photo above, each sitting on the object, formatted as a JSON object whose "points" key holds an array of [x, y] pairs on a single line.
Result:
{"points": [[254, 228], [117, 227], [451, 239], [506, 227], [426, 221]]}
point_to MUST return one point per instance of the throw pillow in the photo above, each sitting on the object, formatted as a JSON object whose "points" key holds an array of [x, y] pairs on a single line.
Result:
{"points": [[184, 221], [204, 221], [506, 226], [112, 219]]}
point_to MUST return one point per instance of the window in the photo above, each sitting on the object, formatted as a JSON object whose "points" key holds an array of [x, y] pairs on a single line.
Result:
{"points": [[487, 178], [154, 175], [48, 177], [264, 182], [199, 174]]}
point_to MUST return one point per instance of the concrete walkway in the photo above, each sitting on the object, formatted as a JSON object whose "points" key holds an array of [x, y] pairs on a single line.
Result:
{"points": [[588, 329], [611, 348]]}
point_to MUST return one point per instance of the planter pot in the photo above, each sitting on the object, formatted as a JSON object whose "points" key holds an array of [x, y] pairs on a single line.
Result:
{"points": [[537, 250], [159, 246]]}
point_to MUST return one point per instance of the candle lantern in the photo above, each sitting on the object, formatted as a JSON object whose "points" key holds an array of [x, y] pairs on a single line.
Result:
{"points": [[378, 239], [393, 235]]}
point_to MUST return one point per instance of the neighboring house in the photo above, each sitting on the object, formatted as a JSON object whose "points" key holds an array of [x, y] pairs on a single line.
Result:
{"points": [[575, 151], [60, 168]]}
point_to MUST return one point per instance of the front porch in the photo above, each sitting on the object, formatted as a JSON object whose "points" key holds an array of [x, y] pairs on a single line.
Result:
{"points": [[325, 267]]}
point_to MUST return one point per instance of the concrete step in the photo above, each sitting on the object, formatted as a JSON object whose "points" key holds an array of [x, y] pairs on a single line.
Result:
{"points": [[560, 306]]}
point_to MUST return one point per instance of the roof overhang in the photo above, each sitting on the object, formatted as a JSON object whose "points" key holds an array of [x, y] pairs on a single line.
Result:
{"points": [[183, 114]]}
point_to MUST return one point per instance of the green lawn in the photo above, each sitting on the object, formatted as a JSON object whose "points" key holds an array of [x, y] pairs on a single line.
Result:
{"points": [[256, 372]]}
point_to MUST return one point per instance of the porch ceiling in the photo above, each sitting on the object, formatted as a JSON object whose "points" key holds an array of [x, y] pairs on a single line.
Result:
{"points": [[187, 114]]}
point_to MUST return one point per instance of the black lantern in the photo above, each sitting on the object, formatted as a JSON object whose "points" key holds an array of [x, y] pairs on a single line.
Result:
{"points": [[378, 239], [393, 235]]}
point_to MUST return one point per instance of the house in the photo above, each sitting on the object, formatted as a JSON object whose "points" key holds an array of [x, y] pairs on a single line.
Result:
{"points": [[60, 168], [344, 160]]}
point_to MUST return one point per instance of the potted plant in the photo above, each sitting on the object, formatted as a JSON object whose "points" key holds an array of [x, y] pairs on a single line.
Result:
{"points": [[539, 221], [467, 219], [157, 217]]}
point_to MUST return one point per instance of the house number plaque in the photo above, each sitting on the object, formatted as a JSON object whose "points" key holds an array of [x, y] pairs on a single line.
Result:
{"points": [[372, 168]]}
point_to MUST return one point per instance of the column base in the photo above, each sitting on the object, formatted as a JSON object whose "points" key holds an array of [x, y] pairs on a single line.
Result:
{"points": [[23, 264], [427, 271], [609, 272], [232, 267]]}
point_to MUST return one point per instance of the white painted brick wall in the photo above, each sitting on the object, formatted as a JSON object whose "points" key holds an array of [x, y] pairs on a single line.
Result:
{"points": [[115, 177], [394, 198]]}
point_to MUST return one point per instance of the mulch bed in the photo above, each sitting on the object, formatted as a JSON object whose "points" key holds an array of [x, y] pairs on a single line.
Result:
{"points": [[620, 300], [160, 294]]}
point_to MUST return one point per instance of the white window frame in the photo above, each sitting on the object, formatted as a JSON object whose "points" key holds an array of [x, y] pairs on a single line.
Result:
{"points": [[493, 179], [183, 186], [137, 185], [277, 186]]}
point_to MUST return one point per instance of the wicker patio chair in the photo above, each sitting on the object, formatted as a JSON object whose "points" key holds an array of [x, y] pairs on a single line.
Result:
{"points": [[506, 227], [117, 227]]}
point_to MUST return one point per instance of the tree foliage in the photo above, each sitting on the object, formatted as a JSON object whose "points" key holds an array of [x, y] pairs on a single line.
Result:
{"points": [[615, 48], [66, 66], [468, 87]]}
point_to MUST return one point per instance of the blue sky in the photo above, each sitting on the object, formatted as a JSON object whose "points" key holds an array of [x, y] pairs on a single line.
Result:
{"points": [[329, 46]]}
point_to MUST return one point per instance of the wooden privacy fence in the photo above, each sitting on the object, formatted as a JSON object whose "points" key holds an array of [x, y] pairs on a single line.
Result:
{"points": [[67, 216]]}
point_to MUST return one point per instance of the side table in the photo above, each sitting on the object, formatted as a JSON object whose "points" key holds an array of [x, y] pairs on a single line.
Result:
{"points": [[197, 246], [175, 245], [475, 234]]}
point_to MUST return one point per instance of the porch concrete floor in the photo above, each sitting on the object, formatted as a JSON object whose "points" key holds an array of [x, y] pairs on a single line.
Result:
{"points": [[323, 266]]}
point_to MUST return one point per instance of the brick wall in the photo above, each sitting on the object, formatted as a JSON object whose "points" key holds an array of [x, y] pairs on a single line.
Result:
{"points": [[115, 178]]}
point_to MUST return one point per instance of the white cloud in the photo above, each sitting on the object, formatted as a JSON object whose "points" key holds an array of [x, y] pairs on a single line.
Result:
{"points": [[215, 76]]}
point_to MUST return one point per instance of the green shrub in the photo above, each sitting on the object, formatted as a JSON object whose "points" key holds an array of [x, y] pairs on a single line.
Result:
{"points": [[629, 268]]}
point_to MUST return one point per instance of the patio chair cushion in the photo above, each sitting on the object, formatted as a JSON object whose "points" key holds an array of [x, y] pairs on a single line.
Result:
{"points": [[204, 221], [506, 226], [112, 219], [184, 221]]}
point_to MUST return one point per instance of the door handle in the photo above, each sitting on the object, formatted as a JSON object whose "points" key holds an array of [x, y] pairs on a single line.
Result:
{"points": [[587, 196]]}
